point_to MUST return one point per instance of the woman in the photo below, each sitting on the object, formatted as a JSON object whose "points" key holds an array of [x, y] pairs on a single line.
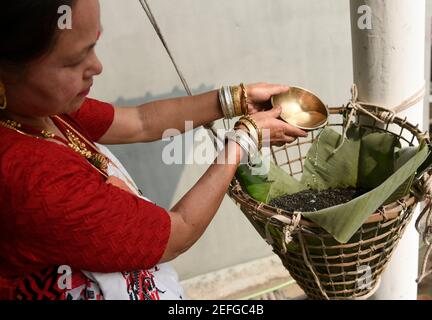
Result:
{"points": [[72, 224]]}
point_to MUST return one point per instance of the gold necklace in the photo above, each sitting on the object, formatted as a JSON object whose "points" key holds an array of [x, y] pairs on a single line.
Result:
{"points": [[109, 161], [98, 160], [13, 125], [75, 141], [98, 157]]}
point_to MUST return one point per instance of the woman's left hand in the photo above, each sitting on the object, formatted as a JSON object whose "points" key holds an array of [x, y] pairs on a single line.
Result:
{"points": [[259, 95]]}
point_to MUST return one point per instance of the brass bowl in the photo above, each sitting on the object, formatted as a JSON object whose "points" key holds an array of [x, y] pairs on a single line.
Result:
{"points": [[301, 109]]}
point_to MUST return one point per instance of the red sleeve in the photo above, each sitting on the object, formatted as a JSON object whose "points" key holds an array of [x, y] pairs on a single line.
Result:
{"points": [[95, 117], [62, 212]]}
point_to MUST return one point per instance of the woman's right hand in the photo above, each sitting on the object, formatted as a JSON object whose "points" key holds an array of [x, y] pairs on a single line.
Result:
{"points": [[280, 131]]}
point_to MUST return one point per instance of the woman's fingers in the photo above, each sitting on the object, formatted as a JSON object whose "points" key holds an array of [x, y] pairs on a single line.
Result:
{"points": [[285, 140], [261, 92], [279, 143], [277, 89], [289, 130], [259, 95], [275, 112], [280, 132], [290, 139]]}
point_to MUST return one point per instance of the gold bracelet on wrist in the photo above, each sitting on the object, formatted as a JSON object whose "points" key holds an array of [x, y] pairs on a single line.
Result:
{"points": [[244, 96], [235, 92], [250, 130], [258, 129]]}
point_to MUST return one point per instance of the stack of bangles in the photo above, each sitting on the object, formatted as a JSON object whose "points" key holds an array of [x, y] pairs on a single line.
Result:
{"points": [[233, 101]]}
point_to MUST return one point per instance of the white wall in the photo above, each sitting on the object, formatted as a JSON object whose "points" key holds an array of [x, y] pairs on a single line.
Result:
{"points": [[298, 42]]}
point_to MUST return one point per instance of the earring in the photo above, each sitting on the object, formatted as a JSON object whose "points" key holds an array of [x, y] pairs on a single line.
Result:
{"points": [[3, 104]]}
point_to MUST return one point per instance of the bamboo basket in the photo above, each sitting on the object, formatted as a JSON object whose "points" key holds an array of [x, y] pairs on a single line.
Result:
{"points": [[322, 267]]}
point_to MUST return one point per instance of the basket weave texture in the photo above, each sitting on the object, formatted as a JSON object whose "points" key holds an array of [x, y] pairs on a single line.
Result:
{"points": [[323, 267]]}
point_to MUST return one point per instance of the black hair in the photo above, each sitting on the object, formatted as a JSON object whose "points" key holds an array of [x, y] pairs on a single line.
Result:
{"points": [[28, 30]]}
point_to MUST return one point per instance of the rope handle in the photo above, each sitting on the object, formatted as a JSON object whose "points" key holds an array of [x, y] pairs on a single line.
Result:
{"points": [[425, 233], [387, 115], [423, 185], [423, 192], [290, 227]]}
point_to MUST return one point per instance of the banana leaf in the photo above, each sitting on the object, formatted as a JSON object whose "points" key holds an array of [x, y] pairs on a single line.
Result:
{"points": [[401, 157], [376, 159], [364, 160], [344, 220], [257, 186], [264, 188], [372, 161], [324, 168]]}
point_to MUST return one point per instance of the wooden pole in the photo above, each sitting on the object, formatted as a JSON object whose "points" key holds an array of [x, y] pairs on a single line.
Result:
{"points": [[388, 39]]}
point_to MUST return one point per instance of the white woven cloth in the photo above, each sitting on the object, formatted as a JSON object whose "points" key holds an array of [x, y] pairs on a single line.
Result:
{"points": [[158, 283]]}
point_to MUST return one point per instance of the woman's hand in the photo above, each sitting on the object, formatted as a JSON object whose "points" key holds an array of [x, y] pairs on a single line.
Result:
{"points": [[280, 131], [259, 95]]}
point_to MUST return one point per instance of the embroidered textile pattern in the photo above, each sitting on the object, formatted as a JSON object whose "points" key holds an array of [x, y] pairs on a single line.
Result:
{"points": [[44, 285], [141, 285]]}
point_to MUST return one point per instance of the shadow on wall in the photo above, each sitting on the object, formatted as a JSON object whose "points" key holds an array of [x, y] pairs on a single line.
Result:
{"points": [[157, 180]]}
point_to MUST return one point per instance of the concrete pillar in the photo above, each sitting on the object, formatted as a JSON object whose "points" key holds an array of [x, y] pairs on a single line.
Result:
{"points": [[388, 59]]}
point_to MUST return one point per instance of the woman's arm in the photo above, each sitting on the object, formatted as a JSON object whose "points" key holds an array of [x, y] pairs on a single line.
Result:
{"points": [[148, 122], [193, 213]]}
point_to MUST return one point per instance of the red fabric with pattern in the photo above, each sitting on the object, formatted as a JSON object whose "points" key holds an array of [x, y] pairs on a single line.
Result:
{"points": [[95, 117], [56, 209]]}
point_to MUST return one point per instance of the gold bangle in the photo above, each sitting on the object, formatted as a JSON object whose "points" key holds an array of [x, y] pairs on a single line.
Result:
{"points": [[237, 125], [258, 129], [253, 133], [252, 129], [249, 129], [235, 92], [244, 102], [245, 124]]}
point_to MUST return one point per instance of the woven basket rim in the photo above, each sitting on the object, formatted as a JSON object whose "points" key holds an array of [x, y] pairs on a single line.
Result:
{"points": [[384, 213]]}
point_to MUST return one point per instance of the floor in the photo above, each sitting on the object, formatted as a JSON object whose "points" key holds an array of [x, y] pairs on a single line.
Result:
{"points": [[425, 288], [284, 289]]}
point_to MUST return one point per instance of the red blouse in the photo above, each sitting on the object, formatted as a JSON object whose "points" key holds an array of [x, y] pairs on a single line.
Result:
{"points": [[56, 209]]}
